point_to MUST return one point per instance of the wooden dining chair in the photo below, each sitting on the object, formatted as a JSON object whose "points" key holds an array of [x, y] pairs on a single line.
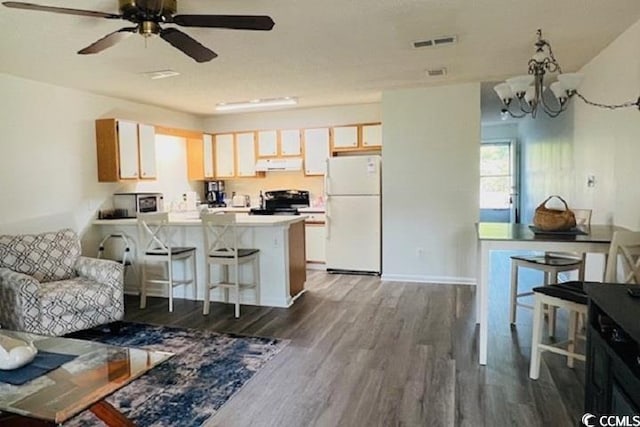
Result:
{"points": [[156, 243], [551, 264], [222, 248], [624, 252]]}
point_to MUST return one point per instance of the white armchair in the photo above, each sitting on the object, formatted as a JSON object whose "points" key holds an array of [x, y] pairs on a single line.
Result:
{"points": [[47, 288]]}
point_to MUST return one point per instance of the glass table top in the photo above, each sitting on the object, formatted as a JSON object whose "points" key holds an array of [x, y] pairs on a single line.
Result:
{"points": [[98, 371]]}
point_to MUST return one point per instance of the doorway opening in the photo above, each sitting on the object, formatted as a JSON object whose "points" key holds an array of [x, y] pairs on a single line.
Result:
{"points": [[499, 201]]}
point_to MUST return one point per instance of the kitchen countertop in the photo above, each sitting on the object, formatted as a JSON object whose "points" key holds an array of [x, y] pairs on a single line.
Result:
{"points": [[194, 220], [311, 210]]}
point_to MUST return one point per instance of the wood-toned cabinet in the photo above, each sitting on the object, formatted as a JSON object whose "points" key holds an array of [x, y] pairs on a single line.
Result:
{"points": [[361, 137], [372, 135], [345, 137], [207, 144], [246, 154], [315, 234], [283, 143], [268, 143], [290, 142], [224, 149], [316, 151], [126, 150], [199, 157]]}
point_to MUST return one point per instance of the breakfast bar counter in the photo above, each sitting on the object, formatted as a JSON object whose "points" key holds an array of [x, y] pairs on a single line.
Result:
{"points": [[280, 239]]}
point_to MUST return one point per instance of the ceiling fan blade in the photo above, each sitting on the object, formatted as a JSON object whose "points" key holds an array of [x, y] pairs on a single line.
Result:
{"points": [[187, 45], [234, 22], [65, 10], [108, 41]]}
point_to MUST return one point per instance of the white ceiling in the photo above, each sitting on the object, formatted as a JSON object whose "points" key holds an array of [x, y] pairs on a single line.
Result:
{"points": [[325, 52]]}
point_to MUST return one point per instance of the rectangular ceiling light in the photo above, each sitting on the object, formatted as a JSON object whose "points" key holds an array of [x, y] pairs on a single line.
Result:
{"points": [[161, 74], [256, 103]]}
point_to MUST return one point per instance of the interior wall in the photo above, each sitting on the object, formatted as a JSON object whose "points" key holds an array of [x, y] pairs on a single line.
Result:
{"points": [[288, 119], [546, 162], [503, 130], [430, 183], [48, 166], [607, 141]]}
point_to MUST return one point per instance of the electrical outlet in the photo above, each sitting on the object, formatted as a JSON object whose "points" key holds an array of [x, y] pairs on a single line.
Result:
{"points": [[591, 181]]}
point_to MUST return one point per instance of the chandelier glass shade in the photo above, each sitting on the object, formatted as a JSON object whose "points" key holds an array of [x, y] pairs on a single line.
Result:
{"points": [[527, 94]]}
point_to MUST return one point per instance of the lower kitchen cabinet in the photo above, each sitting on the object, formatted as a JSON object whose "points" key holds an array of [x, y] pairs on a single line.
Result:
{"points": [[315, 237], [612, 383]]}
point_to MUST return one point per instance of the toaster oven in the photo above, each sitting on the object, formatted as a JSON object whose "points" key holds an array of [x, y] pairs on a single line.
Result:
{"points": [[129, 205]]}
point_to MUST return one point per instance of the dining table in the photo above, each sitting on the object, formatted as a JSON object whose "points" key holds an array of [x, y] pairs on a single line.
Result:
{"points": [[595, 238]]}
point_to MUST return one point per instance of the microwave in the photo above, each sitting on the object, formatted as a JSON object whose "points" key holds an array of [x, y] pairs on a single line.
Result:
{"points": [[129, 205]]}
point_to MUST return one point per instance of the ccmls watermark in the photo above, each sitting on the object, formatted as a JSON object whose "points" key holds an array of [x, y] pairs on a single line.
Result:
{"points": [[590, 420]]}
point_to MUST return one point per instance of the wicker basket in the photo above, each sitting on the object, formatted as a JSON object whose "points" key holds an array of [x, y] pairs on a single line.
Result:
{"points": [[554, 219]]}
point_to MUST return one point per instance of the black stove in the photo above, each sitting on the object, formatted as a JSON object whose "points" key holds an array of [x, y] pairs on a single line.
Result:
{"points": [[282, 202], [276, 211]]}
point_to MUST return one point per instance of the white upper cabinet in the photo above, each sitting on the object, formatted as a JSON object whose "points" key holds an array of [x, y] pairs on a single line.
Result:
{"points": [[316, 151], [267, 143], [290, 142], [372, 135], [207, 141], [225, 156], [345, 137], [128, 149], [246, 153], [147, 144]]}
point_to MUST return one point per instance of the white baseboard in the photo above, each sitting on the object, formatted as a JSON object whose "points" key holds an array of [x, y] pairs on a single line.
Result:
{"points": [[437, 280]]}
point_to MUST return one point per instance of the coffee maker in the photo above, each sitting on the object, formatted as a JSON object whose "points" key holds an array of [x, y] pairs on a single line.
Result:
{"points": [[214, 194]]}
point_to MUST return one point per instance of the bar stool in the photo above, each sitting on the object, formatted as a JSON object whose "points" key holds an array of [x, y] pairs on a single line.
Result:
{"points": [[156, 245], [221, 246], [624, 252], [551, 264]]}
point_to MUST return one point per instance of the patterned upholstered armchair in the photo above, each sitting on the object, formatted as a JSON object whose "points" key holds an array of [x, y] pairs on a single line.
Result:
{"points": [[47, 288]]}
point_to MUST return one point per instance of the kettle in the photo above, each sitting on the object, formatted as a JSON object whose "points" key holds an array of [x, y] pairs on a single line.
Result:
{"points": [[15, 353]]}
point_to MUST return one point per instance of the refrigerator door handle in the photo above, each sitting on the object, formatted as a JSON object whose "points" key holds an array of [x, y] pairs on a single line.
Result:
{"points": [[327, 219], [327, 178]]}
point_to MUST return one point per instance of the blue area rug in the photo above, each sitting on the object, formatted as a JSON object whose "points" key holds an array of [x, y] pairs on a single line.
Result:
{"points": [[186, 390]]}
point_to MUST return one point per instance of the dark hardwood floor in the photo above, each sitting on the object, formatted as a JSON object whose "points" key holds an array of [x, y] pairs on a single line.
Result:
{"points": [[364, 352]]}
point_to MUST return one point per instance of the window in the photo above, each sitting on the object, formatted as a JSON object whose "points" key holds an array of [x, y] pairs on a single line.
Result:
{"points": [[496, 175]]}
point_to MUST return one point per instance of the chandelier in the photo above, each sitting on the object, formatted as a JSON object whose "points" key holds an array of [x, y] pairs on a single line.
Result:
{"points": [[529, 89]]}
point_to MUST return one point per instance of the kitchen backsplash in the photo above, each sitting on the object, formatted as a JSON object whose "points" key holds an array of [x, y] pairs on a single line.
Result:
{"points": [[277, 181]]}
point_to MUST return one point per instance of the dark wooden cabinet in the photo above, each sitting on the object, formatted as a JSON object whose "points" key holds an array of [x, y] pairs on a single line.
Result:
{"points": [[613, 352]]}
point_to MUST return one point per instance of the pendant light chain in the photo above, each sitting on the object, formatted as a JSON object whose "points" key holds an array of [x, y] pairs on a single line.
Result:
{"points": [[610, 107]]}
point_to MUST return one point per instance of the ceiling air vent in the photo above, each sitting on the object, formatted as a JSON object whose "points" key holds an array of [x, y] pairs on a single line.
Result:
{"points": [[437, 72], [434, 42]]}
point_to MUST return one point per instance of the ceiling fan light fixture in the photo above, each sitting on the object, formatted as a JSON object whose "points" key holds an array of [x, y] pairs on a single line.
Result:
{"points": [[256, 103]]}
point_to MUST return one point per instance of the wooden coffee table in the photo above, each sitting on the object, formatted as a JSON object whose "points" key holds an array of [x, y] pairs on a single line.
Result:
{"points": [[80, 384]]}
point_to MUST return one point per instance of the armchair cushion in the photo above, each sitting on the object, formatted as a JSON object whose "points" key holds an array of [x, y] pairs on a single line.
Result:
{"points": [[46, 257]]}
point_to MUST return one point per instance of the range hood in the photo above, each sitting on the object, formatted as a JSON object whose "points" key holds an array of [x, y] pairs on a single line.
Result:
{"points": [[272, 165]]}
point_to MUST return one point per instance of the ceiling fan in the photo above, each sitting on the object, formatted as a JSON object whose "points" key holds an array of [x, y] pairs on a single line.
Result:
{"points": [[147, 15]]}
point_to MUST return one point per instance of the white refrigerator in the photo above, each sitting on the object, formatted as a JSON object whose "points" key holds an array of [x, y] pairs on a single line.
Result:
{"points": [[353, 213]]}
